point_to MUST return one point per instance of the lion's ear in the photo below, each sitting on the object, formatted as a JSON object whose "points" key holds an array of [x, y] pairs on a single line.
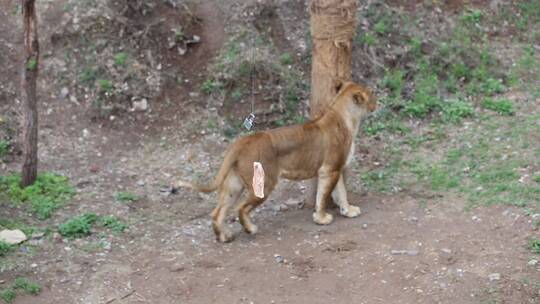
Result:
{"points": [[360, 98], [338, 84]]}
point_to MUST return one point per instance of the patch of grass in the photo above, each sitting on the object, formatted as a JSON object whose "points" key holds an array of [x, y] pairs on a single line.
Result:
{"points": [[113, 223], [286, 59], [501, 106], [78, 226], [26, 286], [5, 248], [20, 284], [473, 16], [380, 27], [208, 86], [455, 110], [8, 295], [105, 85], [4, 148], [536, 178], [394, 81], [123, 196], [120, 59], [88, 76], [534, 245], [32, 63], [48, 193]]}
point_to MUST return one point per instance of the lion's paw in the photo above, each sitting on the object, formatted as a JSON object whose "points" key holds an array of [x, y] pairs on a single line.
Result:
{"points": [[322, 218], [351, 211]]}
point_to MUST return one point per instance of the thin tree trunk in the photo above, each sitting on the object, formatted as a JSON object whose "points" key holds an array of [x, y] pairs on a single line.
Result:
{"points": [[29, 75], [333, 26]]}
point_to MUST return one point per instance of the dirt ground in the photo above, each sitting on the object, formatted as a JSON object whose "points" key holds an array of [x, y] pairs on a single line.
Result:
{"points": [[404, 248]]}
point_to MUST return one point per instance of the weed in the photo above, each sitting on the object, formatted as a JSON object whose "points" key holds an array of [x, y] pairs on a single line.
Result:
{"points": [[88, 76], [21, 284], [237, 94], [47, 194], [105, 85], [120, 59], [534, 245], [393, 80], [366, 39], [286, 59], [536, 178], [4, 148], [113, 223], [8, 295], [455, 110], [208, 86], [31, 65], [501, 106], [78, 227], [5, 248], [473, 16], [27, 286], [126, 197], [380, 27]]}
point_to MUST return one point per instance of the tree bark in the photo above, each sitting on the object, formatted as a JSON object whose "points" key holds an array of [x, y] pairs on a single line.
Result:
{"points": [[333, 26], [29, 75]]}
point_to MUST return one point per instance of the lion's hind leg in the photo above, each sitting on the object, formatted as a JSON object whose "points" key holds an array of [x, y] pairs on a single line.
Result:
{"points": [[229, 192]]}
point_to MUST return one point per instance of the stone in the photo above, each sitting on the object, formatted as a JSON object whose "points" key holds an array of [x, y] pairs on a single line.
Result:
{"points": [[532, 262], [141, 105], [404, 252], [494, 277], [12, 237], [64, 92]]}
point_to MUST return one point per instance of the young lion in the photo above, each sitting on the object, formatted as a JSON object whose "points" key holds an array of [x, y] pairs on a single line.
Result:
{"points": [[319, 148]]}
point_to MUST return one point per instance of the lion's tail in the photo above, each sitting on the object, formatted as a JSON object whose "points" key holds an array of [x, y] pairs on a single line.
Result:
{"points": [[228, 162]]}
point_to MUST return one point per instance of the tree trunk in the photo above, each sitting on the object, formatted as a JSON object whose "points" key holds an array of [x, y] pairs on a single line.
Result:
{"points": [[28, 93], [333, 26]]}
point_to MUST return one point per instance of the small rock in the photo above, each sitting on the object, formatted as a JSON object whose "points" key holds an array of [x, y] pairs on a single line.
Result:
{"points": [[176, 268], [532, 262], [34, 265], [140, 183], [64, 92], [494, 277], [446, 250], [535, 216], [404, 252], [279, 258], [141, 105], [12, 237], [37, 235], [293, 203], [86, 133], [194, 94], [364, 226]]}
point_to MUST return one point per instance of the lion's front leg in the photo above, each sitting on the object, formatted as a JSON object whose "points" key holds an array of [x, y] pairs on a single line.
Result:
{"points": [[327, 182], [340, 197]]}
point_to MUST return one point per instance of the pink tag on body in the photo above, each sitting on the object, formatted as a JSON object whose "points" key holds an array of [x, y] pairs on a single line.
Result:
{"points": [[258, 180]]}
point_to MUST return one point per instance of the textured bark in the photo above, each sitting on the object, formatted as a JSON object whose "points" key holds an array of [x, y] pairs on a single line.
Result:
{"points": [[333, 25], [29, 75]]}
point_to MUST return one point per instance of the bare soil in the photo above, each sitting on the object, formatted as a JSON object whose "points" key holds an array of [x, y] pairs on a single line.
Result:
{"points": [[404, 248]]}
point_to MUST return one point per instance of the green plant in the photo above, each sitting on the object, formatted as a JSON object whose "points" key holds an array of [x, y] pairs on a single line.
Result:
{"points": [[4, 148], [380, 27], [48, 193], [455, 110], [8, 295], [31, 65], [5, 248], [501, 106], [286, 59], [472, 16], [393, 80], [27, 286], [208, 86], [120, 59], [534, 245], [88, 76], [536, 178], [126, 197], [78, 226], [105, 85], [113, 223]]}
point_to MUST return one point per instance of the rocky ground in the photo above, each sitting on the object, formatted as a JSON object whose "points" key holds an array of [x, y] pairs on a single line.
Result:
{"points": [[132, 96]]}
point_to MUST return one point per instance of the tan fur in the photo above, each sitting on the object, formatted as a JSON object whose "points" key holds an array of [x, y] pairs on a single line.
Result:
{"points": [[319, 148]]}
